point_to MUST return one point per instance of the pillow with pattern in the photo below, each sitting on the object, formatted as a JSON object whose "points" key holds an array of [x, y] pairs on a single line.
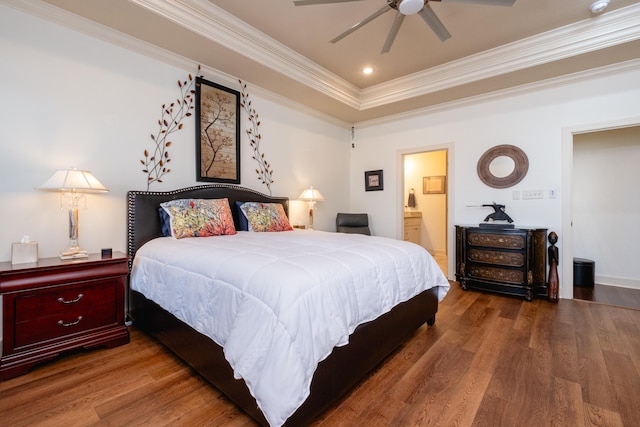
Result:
{"points": [[265, 216], [199, 217]]}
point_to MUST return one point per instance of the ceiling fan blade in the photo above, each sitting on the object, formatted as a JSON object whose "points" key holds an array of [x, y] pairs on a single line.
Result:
{"points": [[397, 22], [366, 20], [434, 23], [487, 2], [311, 2]]}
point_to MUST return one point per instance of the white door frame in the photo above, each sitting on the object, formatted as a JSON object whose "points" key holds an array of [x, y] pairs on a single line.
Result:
{"points": [[449, 182], [566, 248]]}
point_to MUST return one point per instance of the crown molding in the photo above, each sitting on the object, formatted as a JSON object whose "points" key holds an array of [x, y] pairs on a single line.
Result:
{"points": [[618, 27], [212, 22], [554, 82]]}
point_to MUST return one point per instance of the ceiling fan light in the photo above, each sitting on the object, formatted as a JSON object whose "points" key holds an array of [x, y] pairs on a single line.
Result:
{"points": [[598, 6], [410, 7]]}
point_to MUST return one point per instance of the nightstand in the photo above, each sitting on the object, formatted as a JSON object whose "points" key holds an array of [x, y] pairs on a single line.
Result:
{"points": [[56, 305]]}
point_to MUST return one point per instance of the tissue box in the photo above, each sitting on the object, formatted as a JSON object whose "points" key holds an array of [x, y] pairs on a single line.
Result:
{"points": [[22, 253]]}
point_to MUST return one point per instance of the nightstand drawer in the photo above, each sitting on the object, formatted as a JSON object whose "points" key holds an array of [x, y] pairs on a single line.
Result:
{"points": [[64, 300], [72, 321]]}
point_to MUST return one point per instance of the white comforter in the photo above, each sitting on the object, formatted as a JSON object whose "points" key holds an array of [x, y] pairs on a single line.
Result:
{"points": [[279, 302]]}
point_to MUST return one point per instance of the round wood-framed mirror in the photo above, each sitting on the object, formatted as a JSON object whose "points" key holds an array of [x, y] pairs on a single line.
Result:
{"points": [[503, 166]]}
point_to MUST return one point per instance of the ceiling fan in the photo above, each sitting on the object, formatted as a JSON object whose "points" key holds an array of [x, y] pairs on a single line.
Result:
{"points": [[403, 8]]}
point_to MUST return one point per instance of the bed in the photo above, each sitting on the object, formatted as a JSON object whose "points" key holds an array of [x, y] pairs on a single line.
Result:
{"points": [[208, 352]]}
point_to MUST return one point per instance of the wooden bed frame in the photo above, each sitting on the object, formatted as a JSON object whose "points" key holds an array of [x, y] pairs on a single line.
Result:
{"points": [[335, 376]]}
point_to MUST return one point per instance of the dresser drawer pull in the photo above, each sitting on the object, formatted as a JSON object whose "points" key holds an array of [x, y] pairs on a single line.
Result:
{"points": [[63, 301], [66, 325]]}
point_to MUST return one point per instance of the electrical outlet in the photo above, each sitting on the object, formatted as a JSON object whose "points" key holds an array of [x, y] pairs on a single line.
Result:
{"points": [[532, 194]]}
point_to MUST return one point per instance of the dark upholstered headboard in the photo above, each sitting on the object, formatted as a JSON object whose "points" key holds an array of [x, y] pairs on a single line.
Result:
{"points": [[143, 220]]}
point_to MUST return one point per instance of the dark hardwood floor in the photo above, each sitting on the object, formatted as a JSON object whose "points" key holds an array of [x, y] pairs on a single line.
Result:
{"points": [[488, 361], [612, 295]]}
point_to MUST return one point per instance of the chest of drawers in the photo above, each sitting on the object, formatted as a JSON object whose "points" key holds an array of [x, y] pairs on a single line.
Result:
{"points": [[53, 306], [508, 261]]}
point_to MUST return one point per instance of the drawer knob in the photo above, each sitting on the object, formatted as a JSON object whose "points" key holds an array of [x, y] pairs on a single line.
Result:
{"points": [[64, 301], [66, 325]]}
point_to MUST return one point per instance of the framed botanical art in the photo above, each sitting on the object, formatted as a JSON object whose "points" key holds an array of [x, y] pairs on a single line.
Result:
{"points": [[433, 184], [373, 180], [217, 133]]}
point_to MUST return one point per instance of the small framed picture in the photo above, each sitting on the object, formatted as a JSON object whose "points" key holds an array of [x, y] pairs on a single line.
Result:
{"points": [[373, 180], [433, 184]]}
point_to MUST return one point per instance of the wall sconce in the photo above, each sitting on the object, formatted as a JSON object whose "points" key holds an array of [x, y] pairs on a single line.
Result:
{"points": [[72, 184], [311, 196]]}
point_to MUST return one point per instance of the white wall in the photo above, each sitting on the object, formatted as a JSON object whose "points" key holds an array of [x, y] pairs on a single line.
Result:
{"points": [[533, 121], [69, 99], [606, 203]]}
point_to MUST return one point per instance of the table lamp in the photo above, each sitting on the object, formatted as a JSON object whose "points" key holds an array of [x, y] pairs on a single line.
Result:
{"points": [[311, 196], [72, 184]]}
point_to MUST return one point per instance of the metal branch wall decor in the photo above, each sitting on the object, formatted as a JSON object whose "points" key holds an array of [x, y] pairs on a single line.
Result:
{"points": [[156, 163], [265, 174]]}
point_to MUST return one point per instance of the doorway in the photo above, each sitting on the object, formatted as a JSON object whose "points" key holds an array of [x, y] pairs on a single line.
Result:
{"points": [[605, 212], [425, 192], [574, 244]]}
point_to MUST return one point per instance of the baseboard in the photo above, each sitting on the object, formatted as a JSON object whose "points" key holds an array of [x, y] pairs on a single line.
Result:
{"points": [[621, 282]]}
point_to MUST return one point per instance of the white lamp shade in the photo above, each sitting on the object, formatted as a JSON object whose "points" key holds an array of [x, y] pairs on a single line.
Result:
{"points": [[311, 195], [73, 180]]}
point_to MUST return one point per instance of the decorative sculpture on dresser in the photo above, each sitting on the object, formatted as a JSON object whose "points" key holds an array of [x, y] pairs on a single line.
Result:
{"points": [[499, 214], [553, 283]]}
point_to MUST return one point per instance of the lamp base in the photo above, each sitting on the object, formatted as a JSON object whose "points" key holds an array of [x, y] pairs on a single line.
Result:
{"points": [[73, 250], [73, 253], [66, 255]]}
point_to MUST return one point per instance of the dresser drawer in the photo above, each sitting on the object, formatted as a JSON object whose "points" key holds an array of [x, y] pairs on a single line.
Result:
{"points": [[504, 275], [487, 256], [63, 300], [502, 241]]}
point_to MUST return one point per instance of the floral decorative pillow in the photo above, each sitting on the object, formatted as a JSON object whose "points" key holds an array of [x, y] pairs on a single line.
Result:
{"points": [[199, 217], [265, 216]]}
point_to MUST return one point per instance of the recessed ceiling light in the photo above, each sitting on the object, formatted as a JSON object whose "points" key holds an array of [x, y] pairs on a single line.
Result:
{"points": [[598, 6], [367, 70]]}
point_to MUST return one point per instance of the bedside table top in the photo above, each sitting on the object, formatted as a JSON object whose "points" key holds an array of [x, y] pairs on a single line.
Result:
{"points": [[53, 263]]}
